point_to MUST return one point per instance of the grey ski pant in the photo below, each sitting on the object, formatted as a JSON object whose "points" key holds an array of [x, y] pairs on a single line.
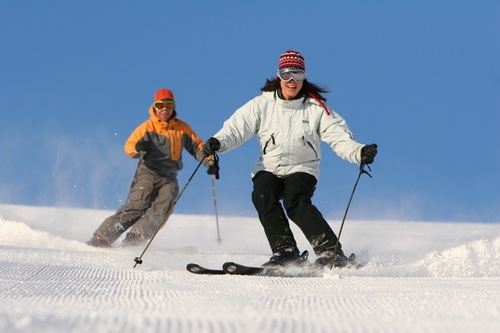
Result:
{"points": [[150, 199]]}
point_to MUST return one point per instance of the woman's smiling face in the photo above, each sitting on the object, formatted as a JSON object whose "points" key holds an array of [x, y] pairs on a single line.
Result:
{"points": [[290, 89]]}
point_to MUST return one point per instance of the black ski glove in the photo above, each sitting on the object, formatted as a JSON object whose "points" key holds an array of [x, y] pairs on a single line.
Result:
{"points": [[213, 166], [212, 170], [142, 145], [368, 153], [211, 146]]}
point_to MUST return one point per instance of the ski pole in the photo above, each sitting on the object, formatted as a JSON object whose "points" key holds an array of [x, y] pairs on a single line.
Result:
{"points": [[361, 171], [215, 207], [138, 260]]}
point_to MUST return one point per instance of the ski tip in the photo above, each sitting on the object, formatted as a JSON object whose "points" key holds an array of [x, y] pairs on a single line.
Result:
{"points": [[238, 269], [194, 268], [230, 267], [200, 270]]}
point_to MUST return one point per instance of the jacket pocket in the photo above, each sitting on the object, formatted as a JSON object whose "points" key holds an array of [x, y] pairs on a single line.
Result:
{"points": [[270, 140], [310, 145]]}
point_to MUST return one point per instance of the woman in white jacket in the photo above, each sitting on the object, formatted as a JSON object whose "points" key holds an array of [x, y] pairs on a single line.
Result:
{"points": [[290, 119]]}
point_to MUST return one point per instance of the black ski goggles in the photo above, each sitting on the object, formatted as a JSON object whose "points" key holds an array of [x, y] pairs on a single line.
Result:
{"points": [[287, 74]]}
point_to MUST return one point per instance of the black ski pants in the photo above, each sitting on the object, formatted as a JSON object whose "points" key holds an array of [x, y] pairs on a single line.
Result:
{"points": [[296, 191]]}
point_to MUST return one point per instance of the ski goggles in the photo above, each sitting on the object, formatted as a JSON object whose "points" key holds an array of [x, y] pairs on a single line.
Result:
{"points": [[164, 105], [287, 74]]}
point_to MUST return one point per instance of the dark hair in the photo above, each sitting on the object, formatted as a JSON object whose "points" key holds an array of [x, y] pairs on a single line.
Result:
{"points": [[307, 87]]}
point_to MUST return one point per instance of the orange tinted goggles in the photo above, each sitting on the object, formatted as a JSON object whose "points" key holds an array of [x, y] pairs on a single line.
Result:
{"points": [[164, 105]]}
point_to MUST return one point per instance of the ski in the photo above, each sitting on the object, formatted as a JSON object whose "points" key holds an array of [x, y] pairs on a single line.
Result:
{"points": [[303, 270], [200, 270], [233, 268]]}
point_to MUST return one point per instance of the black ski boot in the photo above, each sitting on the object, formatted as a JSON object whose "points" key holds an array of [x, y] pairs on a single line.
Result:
{"points": [[282, 259], [340, 261]]}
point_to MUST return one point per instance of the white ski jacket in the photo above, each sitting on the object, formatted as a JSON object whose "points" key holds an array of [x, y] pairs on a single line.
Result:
{"points": [[289, 133]]}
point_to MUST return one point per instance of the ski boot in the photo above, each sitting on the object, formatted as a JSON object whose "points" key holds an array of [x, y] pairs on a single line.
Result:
{"points": [[133, 239], [340, 261], [282, 259], [98, 241]]}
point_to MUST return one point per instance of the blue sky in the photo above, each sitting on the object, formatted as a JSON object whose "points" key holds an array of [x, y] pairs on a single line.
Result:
{"points": [[419, 78]]}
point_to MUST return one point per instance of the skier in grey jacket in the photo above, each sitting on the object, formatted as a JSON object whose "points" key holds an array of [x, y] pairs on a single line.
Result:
{"points": [[290, 119]]}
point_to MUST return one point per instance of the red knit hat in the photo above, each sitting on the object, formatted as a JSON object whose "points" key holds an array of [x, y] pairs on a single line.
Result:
{"points": [[292, 59], [163, 93]]}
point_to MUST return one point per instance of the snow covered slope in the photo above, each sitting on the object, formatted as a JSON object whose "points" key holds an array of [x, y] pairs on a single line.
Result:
{"points": [[419, 277]]}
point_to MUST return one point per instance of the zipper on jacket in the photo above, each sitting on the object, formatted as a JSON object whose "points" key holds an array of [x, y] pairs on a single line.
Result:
{"points": [[267, 143], [171, 138], [310, 145]]}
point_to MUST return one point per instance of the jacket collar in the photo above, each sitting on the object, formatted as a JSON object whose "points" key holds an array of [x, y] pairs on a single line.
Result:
{"points": [[293, 104]]}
